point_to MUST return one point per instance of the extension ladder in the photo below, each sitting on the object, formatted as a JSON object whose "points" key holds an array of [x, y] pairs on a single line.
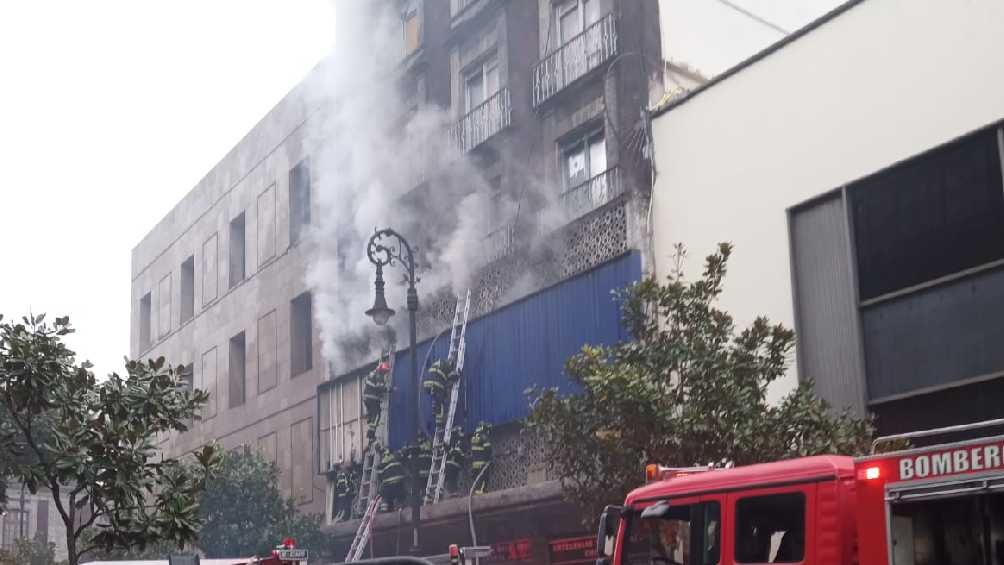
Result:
{"points": [[363, 533], [441, 440]]}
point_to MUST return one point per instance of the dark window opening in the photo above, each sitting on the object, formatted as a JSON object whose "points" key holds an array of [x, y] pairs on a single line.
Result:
{"points": [[300, 338], [238, 369], [935, 215], [771, 529], [299, 200], [237, 250], [687, 534], [188, 289], [145, 321]]}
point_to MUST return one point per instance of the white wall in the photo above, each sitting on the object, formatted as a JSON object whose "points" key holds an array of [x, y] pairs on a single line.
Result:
{"points": [[885, 80]]}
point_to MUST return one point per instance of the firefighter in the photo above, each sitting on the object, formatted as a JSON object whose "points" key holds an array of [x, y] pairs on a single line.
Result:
{"points": [[392, 481], [375, 388], [423, 459], [455, 460], [343, 495], [436, 384], [481, 454]]}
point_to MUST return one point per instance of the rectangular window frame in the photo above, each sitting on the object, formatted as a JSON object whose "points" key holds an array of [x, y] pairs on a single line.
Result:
{"points": [[299, 200], [806, 495], [632, 554], [237, 370], [481, 72], [238, 249], [187, 289], [301, 332], [146, 321], [582, 7], [583, 142]]}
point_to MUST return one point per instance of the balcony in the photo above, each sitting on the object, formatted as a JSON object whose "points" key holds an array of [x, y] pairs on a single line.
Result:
{"points": [[590, 195], [483, 122], [573, 60]]}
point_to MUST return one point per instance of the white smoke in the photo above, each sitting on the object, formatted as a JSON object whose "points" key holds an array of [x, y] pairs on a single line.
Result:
{"points": [[370, 143]]}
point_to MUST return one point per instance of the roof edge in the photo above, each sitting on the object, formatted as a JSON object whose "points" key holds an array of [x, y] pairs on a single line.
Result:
{"points": [[762, 54]]}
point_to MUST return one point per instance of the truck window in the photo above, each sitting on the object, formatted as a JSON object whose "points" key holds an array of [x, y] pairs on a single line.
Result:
{"points": [[687, 535], [771, 528]]}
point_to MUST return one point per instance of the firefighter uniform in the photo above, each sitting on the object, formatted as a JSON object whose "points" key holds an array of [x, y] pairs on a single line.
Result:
{"points": [[423, 461], [436, 384], [481, 454], [455, 460], [375, 388], [342, 509], [392, 481]]}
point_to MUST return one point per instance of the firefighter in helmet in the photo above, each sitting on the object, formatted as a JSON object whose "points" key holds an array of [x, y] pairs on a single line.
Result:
{"points": [[375, 388], [342, 509], [455, 460], [392, 481], [481, 454], [436, 384]]}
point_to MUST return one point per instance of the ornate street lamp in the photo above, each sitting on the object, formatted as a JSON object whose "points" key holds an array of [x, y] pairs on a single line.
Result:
{"points": [[386, 247]]}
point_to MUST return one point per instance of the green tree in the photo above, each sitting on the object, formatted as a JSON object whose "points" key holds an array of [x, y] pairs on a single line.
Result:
{"points": [[689, 389], [30, 552], [244, 513], [92, 443]]}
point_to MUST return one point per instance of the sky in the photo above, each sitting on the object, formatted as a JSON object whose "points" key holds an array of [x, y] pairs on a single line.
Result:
{"points": [[112, 110]]}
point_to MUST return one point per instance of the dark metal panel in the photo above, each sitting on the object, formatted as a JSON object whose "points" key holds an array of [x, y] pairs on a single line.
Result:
{"points": [[827, 330], [936, 336], [525, 344]]}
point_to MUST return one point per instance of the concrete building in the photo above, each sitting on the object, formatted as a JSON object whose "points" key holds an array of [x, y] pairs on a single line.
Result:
{"points": [[548, 94], [861, 187], [32, 517]]}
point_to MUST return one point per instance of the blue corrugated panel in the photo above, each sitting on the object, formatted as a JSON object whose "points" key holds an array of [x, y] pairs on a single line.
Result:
{"points": [[523, 345]]}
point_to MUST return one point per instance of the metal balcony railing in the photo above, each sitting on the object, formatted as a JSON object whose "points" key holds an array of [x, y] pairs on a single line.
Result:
{"points": [[500, 242], [571, 61], [592, 194], [484, 121]]}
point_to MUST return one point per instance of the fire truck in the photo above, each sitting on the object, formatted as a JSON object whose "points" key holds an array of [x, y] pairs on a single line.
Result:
{"points": [[937, 505]]}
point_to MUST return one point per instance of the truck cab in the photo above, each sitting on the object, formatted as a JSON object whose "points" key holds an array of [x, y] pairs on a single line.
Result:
{"points": [[795, 511]]}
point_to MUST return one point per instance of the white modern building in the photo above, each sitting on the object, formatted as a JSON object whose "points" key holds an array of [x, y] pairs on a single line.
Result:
{"points": [[856, 166]]}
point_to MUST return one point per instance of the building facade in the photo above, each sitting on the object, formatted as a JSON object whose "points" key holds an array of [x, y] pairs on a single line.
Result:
{"points": [[862, 191], [543, 94]]}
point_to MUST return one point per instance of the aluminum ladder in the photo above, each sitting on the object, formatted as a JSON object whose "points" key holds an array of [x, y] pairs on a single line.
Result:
{"points": [[441, 442], [365, 529], [370, 479]]}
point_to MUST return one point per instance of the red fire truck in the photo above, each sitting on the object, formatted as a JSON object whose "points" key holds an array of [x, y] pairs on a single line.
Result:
{"points": [[937, 505]]}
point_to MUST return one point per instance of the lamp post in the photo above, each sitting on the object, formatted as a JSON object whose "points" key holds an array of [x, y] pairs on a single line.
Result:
{"points": [[384, 248]]}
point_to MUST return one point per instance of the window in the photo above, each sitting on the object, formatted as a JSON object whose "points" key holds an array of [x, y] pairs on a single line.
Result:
{"points": [[300, 335], [188, 289], [771, 529], [481, 83], [575, 16], [934, 215], [237, 262], [343, 425], [145, 321], [302, 456], [299, 200], [412, 27], [683, 534], [583, 158], [238, 369]]}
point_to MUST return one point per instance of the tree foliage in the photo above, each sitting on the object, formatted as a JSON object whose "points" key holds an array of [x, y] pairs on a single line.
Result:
{"points": [[689, 389], [244, 513], [92, 443], [29, 552]]}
